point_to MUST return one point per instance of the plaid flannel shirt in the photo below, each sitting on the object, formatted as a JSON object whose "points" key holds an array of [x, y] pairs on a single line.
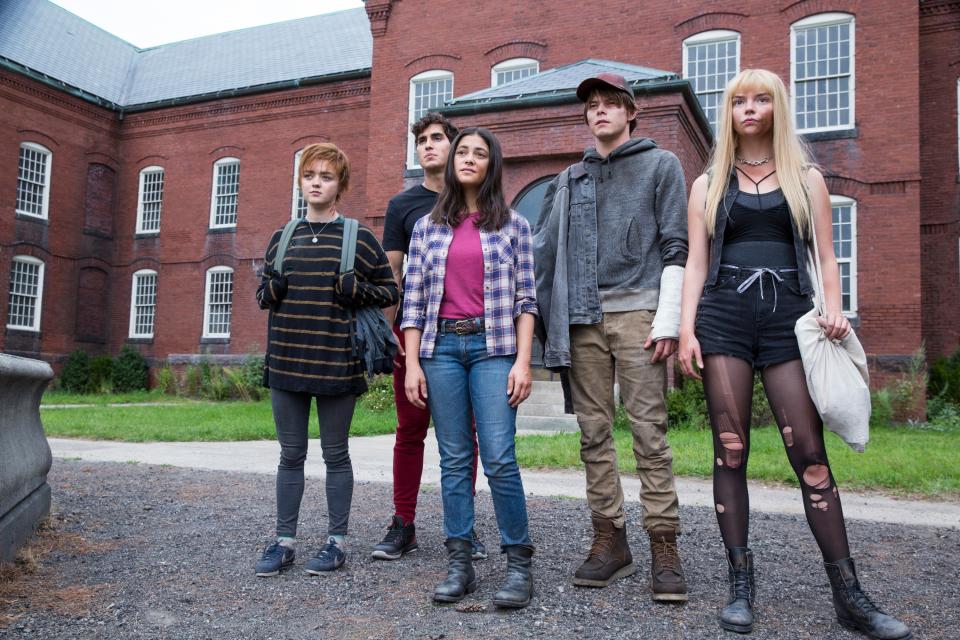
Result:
{"points": [[509, 287]]}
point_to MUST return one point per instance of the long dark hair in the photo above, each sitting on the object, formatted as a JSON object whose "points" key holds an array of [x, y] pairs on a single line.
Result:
{"points": [[451, 206]]}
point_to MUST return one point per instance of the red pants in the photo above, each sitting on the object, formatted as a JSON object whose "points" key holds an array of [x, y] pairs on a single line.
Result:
{"points": [[412, 424]]}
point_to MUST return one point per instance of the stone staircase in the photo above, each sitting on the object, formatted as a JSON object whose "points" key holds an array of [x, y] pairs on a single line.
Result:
{"points": [[543, 410]]}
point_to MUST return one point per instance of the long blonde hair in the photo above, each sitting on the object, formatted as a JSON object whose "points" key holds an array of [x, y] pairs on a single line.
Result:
{"points": [[789, 152]]}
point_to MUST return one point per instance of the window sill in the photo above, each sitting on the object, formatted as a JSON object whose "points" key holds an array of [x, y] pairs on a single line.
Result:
{"points": [[32, 218], [838, 134], [216, 230], [139, 340], [146, 235], [21, 331], [214, 340]]}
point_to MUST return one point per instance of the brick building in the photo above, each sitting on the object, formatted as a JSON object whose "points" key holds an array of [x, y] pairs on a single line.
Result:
{"points": [[138, 187]]}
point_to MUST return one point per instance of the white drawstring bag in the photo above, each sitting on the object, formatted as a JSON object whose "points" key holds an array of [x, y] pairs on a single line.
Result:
{"points": [[836, 370]]}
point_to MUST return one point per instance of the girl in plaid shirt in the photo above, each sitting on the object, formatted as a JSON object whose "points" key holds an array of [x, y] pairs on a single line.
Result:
{"points": [[468, 317]]}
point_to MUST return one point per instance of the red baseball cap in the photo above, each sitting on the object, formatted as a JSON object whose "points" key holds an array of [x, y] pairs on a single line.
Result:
{"points": [[605, 79]]}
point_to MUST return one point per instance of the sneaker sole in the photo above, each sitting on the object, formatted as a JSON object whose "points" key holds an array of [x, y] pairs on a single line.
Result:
{"points": [[383, 555], [622, 572], [323, 572], [270, 574], [670, 597]]}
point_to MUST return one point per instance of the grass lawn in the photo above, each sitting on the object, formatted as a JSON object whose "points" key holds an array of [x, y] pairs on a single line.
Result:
{"points": [[63, 397], [898, 459], [188, 421]]}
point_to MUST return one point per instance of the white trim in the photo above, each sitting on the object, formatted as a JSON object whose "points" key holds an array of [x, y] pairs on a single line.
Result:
{"points": [[844, 201], [708, 37], [143, 173], [824, 20], [433, 74], [297, 198], [39, 299], [133, 302], [513, 64], [206, 302], [48, 163], [222, 162]]}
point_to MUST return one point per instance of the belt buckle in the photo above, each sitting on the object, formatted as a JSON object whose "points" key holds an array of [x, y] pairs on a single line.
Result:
{"points": [[463, 327]]}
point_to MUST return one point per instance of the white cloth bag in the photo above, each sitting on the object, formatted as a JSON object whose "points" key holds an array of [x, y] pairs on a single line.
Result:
{"points": [[836, 370]]}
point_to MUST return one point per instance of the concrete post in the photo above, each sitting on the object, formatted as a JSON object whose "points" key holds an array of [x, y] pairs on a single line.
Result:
{"points": [[24, 453]]}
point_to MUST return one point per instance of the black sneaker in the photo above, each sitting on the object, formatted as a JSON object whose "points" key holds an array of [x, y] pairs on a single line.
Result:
{"points": [[329, 558], [275, 559], [400, 539], [479, 550]]}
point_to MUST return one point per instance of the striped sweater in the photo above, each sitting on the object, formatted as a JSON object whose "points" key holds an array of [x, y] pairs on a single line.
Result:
{"points": [[309, 348]]}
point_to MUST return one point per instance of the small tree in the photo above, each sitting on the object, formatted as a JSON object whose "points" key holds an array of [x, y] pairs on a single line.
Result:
{"points": [[129, 371], [75, 376]]}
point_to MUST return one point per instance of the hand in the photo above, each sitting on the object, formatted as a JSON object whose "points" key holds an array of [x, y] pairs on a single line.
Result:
{"points": [[665, 347], [519, 383], [690, 353], [415, 385], [835, 325]]}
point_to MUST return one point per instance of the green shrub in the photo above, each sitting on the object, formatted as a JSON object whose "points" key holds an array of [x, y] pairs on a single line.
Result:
{"points": [[944, 378], [75, 376], [881, 414], [191, 380], [101, 374], [943, 415], [908, 391], [130, 371], [165, 380], [686, 407], [379, 396], [761, 415]]}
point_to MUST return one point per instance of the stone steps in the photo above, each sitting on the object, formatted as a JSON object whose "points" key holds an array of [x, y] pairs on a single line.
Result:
{"points": [[543, 410]]}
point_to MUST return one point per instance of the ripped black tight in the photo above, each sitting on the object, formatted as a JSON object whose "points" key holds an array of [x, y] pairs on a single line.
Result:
{"points": [[728, 383]]}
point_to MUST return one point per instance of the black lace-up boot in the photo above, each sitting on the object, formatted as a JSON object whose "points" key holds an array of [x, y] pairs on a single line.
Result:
{"points": [[855, 611], [738, 614]]}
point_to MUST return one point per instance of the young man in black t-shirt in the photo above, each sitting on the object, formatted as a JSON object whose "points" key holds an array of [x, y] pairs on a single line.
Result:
{"points": [[433, 134]]}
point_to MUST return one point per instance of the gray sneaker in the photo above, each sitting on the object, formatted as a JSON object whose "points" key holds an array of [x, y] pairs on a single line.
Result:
{"points": [[479, 550], [275, 559], [329, 558]]}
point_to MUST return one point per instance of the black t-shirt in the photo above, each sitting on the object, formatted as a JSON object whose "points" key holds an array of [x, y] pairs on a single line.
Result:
{"points": [[403, 211]]}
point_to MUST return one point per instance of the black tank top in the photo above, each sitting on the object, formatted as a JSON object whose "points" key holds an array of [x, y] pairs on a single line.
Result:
{"points": [[758, 231]]}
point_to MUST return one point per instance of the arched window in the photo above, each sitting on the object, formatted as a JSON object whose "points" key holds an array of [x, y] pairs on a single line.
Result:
{"points": [[821, 72], [150, 200], [530, 199], [710, 60], [26, 293], [218, 306], [143, 303], [299, 208], [226, 188], [845, 246], [513, 69], [428, 91], [33, 180]]}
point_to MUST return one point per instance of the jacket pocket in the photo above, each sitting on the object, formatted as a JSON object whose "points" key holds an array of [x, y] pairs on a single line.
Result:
{"points": [[632, 243]]}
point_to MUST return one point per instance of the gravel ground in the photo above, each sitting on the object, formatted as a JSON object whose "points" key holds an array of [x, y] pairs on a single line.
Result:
{"points": [[157, 552]]}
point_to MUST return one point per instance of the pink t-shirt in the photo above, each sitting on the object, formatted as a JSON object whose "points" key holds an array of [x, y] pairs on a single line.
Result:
{"points": [[463, 278]]}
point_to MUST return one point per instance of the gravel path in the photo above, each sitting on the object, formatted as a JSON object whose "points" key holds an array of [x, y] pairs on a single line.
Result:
{"points": [[158, 552]]}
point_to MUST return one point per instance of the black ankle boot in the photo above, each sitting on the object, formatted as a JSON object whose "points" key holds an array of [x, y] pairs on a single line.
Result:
{"points": [[854, 609], [738, 614], [461, 578], [518, 586]]}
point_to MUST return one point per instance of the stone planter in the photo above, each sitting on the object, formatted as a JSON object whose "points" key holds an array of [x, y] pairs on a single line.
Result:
{"points": [[24, 453]]}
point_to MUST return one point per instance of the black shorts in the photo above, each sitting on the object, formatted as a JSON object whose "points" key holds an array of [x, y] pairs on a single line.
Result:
{"points": [[755, 324]]}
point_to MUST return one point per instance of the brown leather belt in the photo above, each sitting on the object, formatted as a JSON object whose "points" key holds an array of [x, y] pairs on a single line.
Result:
{"points": [[461, 326]]}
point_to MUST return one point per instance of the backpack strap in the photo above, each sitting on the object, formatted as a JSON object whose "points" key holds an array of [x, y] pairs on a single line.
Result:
{"points": [[283, 244], [348, 251]]}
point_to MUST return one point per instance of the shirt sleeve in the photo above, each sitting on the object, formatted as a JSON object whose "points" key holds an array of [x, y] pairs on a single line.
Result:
{"points": [[525, 298], [414, 295], [671, 211], [265, 294], [372, 283], [394, 235]]}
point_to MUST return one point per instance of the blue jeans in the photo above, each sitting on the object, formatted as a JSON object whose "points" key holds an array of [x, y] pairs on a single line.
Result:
{"points": [[463, 380]]}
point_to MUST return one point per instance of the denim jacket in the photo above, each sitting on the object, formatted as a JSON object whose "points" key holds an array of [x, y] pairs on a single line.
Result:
{"points": [[716, 244]]}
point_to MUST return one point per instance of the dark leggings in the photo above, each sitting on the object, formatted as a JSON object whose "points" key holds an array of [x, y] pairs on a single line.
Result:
{"points": [[728, 383], [291, 412]]}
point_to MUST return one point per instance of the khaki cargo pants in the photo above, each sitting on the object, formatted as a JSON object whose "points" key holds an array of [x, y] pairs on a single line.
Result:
{"points": [[599, 352]]}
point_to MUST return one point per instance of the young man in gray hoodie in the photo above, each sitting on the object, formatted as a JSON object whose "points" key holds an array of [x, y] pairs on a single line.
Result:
{"points": [[609, 251]]}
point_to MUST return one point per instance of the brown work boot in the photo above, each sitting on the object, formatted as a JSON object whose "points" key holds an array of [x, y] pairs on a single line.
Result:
{"points": [[667, 581], [609, 557]]}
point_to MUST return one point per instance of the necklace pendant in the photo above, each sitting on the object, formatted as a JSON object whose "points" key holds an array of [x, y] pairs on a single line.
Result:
{"points": [[314, 241]]}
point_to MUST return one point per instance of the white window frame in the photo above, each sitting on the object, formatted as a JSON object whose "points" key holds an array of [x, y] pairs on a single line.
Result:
{"points": [[206, 302], [142, 273], [824, 20], [140, 193], [222, 162], [844, 201], [45, 195], [39, 299], [513, 64], [710, 37], [297, 196], [426, 76]]}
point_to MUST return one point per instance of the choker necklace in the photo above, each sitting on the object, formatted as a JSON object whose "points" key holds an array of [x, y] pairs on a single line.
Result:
{"points": [[317, 233], [754, 163]]}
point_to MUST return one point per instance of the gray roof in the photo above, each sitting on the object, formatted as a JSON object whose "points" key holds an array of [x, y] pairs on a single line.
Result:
{"points": [[53, 42], [562, 80]]}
